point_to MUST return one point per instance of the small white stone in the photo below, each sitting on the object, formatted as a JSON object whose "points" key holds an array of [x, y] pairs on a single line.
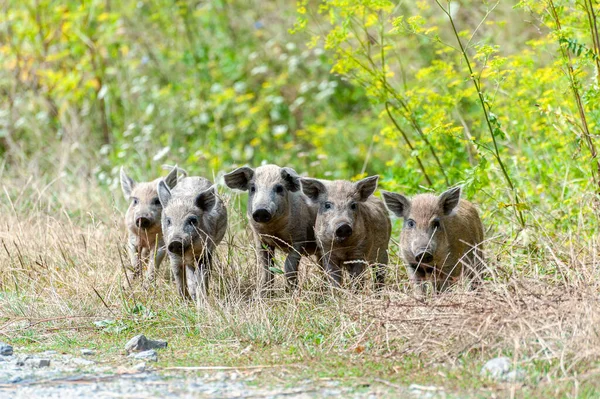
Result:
{"points": [[149, 355], [424, 388], [220, 376], [141, 367], [427, 391], [37, 363], [499, 369], [140, 343], [82, 362]]}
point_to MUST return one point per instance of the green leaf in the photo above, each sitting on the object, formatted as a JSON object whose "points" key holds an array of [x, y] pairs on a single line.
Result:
{"points": [[276, 270]]}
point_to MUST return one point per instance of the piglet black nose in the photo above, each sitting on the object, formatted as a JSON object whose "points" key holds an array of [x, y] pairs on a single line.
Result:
{"points": [[261, 216], [143, 223], [175, 247], [343, 231], [422, 270], [424, 257]]}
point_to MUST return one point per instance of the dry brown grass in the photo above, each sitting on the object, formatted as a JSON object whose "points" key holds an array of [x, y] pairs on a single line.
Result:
{"points": [[61, 267]]}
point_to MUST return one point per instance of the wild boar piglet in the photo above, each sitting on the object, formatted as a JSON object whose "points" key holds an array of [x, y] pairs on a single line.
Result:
{"points": [[145, 244], [352, 227], [441, 239], [194, 221], [280, 217]]}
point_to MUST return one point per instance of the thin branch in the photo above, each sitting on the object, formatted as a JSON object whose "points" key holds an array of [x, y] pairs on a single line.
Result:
{"points": [[477, 84], [408, 113], [408, 143], [591, 14], [575, 89], [485, 17]]}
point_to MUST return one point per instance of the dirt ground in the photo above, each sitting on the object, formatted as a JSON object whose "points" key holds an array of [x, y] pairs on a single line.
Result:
{"points": [[53, 375]]}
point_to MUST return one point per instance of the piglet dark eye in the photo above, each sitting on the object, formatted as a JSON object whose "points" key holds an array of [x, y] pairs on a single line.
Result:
{"points": [[253, 188], [435, 224], [156, 202], [136, 201], [410, 223], [193, 220], [328, 205], [353, 206], [279, 189], [168, 221]]}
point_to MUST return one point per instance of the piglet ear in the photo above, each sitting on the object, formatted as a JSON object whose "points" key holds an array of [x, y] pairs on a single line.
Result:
{"points": [[239, 178], [180, 172], [449, 200], [127, 183], [164, 194], [171, 178], [313, 188], [396, 203], [291, 179], [207, 199], [366, 187]]}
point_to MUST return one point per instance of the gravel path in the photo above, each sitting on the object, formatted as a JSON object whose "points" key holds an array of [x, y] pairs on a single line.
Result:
{"points": [[54, 375]]}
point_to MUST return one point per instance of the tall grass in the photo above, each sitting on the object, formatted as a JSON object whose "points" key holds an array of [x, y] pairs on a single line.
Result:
{"points": [[61, 269]]}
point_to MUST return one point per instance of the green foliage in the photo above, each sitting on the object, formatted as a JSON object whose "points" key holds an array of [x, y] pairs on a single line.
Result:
{"points": [[110, 326], [334, 88], [477, 96]]}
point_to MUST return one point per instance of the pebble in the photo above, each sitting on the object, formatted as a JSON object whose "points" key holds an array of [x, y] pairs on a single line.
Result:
{"points": [[220, 376], [82, 362], [49, 353], [141, 367], [21, 360], [499, 369], [5, 349], [37, 363], [88, 352], [15, 379], [140, 343], [427, 391], [149, 355]]}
